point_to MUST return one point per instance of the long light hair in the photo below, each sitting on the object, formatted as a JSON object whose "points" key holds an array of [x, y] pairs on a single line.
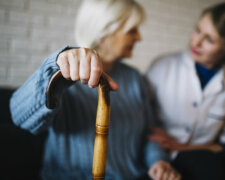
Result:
{"points": [[217, 13], [97, 19]]}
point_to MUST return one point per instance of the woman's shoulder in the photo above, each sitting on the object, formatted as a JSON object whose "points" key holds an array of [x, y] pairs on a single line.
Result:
{"points": [[127, 70], [126, 75]]}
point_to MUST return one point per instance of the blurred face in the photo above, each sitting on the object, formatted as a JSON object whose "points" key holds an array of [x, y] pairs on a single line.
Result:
{"points": [[119, 45], [207, 47]]}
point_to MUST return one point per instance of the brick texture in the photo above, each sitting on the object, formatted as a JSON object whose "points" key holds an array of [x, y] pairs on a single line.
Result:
{"points": [[31, 29]]}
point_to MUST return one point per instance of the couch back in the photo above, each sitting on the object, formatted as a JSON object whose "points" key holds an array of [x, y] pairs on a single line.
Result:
{"points": [[20, 151]]}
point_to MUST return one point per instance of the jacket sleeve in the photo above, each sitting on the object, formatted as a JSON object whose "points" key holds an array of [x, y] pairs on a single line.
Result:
{"points": [[27, 104], [152, 151], [222, 138]]}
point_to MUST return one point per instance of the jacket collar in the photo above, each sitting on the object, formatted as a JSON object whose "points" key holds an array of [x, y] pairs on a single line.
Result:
{"points": [[216, 84]]}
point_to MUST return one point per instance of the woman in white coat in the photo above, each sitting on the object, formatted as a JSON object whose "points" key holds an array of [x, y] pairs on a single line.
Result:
{"points": [[190, 94]]}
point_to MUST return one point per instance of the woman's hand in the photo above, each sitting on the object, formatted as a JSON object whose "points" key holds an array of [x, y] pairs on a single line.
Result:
{"points": [[83, 64], [214, 147], [164, 140], [162, 170]]}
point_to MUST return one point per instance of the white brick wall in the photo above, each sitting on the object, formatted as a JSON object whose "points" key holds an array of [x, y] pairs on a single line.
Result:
{"points": [[31, 29]]}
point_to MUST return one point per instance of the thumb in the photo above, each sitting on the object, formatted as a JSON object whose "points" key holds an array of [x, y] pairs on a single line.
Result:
{"points": [[113, 85]]}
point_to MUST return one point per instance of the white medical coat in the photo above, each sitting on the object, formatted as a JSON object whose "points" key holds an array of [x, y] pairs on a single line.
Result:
{"points": [[190, 114]]}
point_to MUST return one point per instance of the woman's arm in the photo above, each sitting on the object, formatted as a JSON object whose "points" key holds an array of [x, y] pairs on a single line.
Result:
{"points": [[27, 104], [211, 147], [155, 157], [152, 151], [165, 141]]}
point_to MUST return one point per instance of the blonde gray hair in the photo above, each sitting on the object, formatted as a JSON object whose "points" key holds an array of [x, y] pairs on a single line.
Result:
{"points": [[97, 19]]}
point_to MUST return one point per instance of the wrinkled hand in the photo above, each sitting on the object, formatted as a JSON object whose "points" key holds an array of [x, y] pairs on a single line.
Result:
{"points": [[162, 170], [215, 148], [83, 64], [164, 140]]}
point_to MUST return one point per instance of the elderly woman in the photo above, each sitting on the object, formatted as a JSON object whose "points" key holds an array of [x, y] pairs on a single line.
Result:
{"points": [[108, 30], [190, 91]]}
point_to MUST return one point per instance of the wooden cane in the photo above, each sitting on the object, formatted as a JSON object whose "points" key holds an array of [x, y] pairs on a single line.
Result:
{"points": [[102, 121]]}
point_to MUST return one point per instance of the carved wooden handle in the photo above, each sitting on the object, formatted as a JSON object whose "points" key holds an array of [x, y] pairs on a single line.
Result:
{"points": [[102, 121], [51, 99]]}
